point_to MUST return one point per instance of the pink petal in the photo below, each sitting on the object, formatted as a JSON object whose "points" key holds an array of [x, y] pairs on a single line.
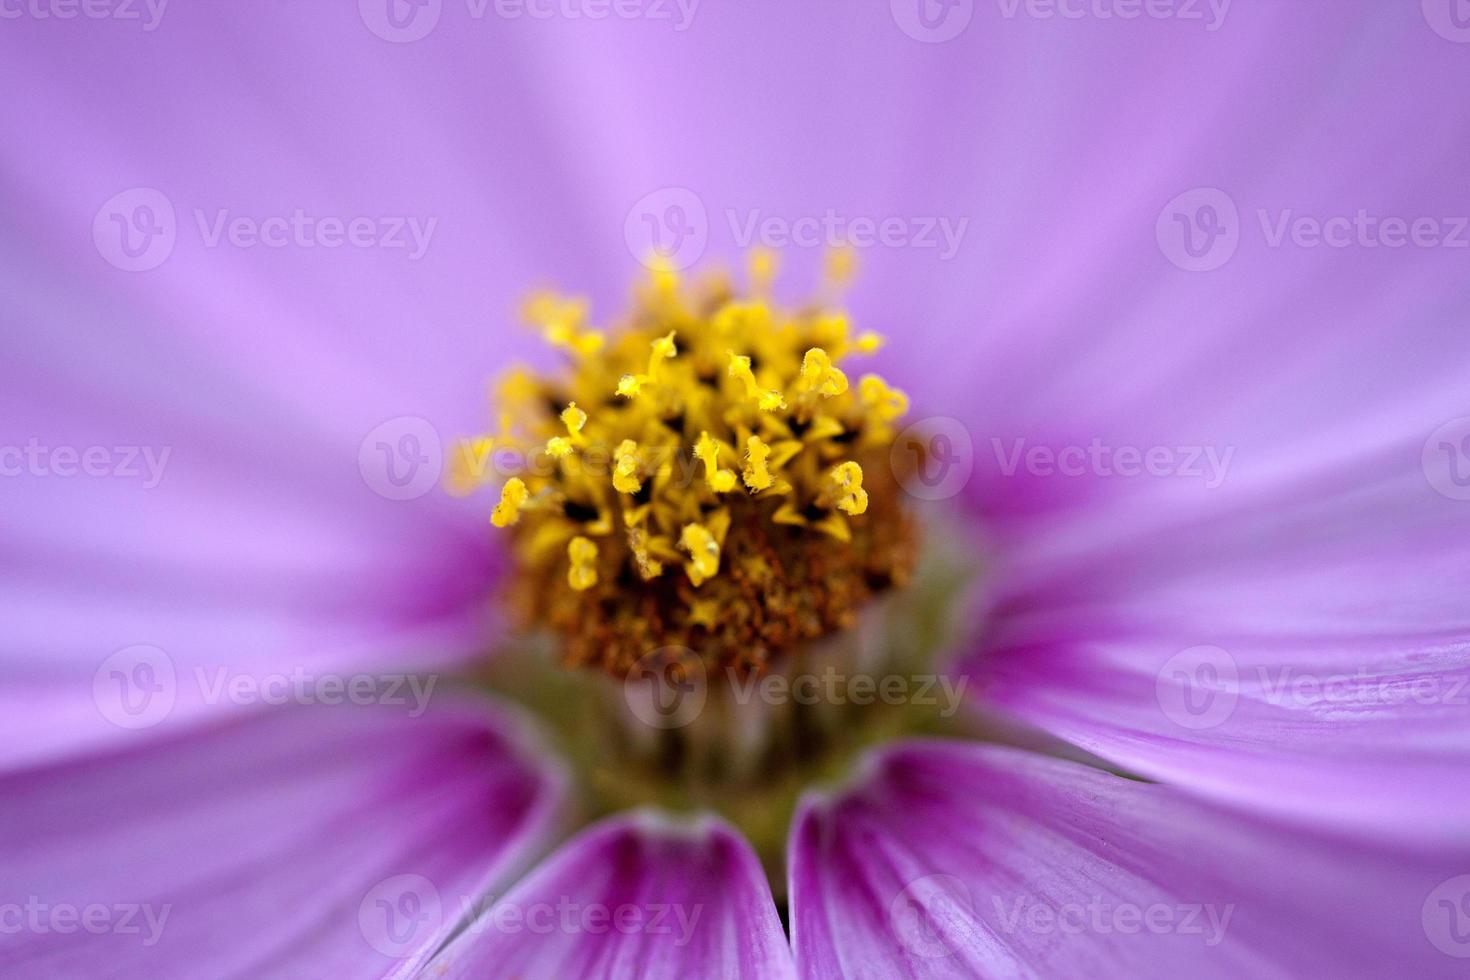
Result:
{"points": [[1286, 653], [633, 897], [275, 845], [958, 860]]}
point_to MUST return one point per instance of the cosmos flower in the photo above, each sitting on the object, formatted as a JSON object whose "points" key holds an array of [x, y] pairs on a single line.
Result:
{"points": [[1077, 585]]}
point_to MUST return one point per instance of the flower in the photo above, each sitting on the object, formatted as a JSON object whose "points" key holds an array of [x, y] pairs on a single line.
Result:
{"points": [[258, 266]]}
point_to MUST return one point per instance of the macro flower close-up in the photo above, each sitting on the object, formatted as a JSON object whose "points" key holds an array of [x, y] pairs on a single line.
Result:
{"points": [[691, 488]]}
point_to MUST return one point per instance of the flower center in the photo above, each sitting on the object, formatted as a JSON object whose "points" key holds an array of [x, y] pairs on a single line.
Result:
{"points": [[703, 507], [706, 477]]}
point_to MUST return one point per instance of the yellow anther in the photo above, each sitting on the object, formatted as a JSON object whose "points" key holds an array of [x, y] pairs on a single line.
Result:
{"points": [[849, 479], [648, 566], [468, 466], [662, 349], [868, 341], [582, 554], [573, 418], [625, 468], [704, 553], [757, 453], [762, 267], [707, 451], [885, 403], [512, 498], [820, 375], [560, 321], [769, 400], [841, 265]]}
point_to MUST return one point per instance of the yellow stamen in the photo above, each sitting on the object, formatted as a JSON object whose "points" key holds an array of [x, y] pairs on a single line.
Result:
{"points": [[707, 451], [625, 468], [768, 400], [756, 474], [819, 375], [849, 479], [512, 497], [582, 554], [704, 553]]}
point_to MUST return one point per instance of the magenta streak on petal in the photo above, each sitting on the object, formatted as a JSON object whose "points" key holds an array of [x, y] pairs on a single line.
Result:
{"points": [[703, 907], [957, 860], [265, 841]]}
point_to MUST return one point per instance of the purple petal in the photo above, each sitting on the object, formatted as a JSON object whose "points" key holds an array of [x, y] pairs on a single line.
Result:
{"points": [[633, 897], [325, 841], [1289, 654], [957, 860]]}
